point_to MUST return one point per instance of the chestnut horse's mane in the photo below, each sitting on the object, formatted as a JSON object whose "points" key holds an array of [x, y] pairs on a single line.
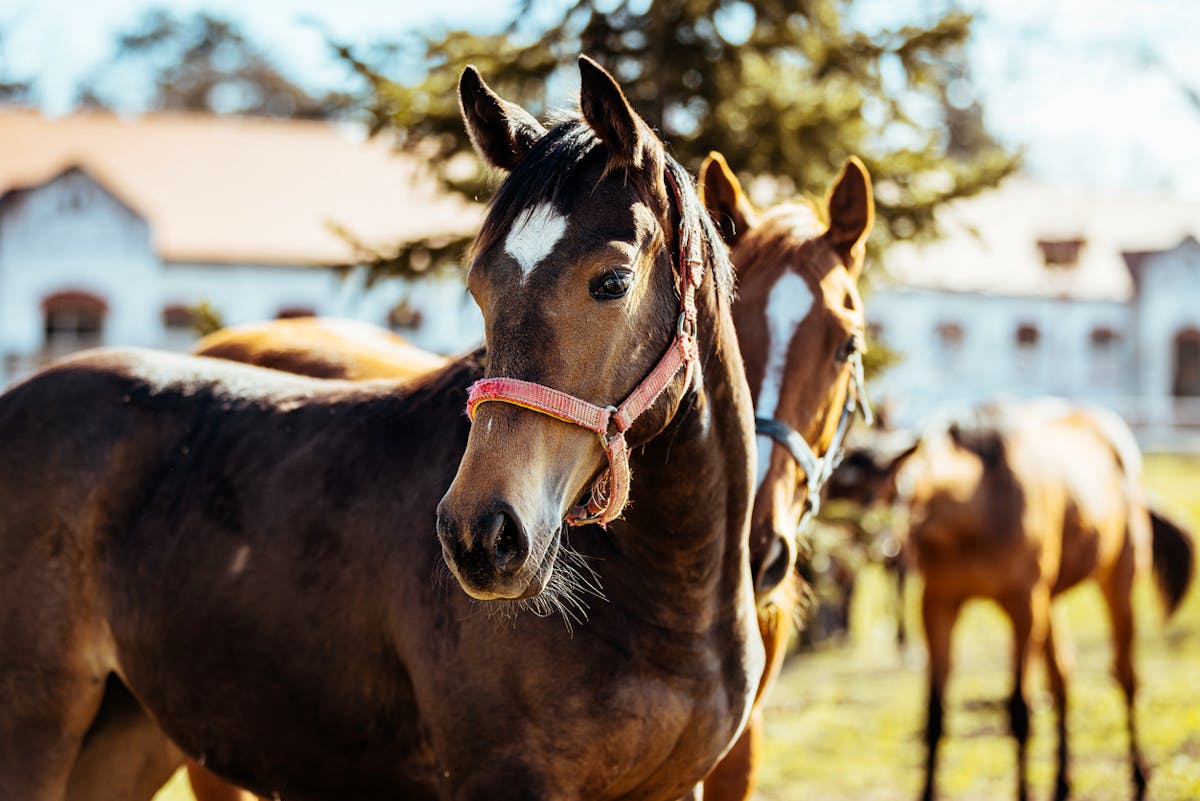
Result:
{"points": [[550, 171]]}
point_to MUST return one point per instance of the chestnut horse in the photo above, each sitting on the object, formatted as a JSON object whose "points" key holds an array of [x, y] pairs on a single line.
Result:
{"points": [[1019, 503], [800, 322], [797, 284], [322, 348], [252, 555]]}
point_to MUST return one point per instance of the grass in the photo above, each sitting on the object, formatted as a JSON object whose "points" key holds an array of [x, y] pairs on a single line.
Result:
{"points": [[845, 722]]}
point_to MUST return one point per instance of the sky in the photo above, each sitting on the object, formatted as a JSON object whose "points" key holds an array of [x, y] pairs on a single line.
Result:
{"points": [[1092, 91]]}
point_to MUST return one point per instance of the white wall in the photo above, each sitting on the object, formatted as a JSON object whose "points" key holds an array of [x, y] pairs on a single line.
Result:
{"points": [[1169, 302], [989, 363], [71, 234]]}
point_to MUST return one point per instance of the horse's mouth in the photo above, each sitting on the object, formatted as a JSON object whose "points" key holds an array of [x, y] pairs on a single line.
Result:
{"points": [[540, 577]]}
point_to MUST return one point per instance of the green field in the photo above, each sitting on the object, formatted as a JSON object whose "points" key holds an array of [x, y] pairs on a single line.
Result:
{"points": [[845, 722]]}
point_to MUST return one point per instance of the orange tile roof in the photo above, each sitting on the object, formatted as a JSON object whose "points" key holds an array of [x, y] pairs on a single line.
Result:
{"points": [[239, 190]]}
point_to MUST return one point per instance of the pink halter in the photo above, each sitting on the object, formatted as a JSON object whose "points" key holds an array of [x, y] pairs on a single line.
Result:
{"points": [[610, 492]]}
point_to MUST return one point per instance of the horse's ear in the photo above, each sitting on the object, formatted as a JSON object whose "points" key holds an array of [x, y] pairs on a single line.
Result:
{"points": [[502, 132], [609, 114], [851, 213], [723, 197]]}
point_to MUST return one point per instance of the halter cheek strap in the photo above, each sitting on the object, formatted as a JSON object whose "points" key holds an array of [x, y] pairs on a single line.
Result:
{"points": [[818, 469], [610, 492]]}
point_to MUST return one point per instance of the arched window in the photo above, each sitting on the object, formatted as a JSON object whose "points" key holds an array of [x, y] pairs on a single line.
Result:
{"points": [[1027, 335], [72, 320], [1187, 363]]}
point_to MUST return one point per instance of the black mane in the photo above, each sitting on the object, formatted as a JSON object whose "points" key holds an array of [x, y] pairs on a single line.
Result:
{"points": [[553, 166]]}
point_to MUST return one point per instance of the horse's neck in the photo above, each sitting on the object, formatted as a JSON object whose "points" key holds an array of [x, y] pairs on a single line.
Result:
{"points": [[685, 528]]}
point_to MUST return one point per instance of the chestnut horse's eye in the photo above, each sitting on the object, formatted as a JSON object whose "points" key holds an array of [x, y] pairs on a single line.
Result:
{"points": [[612, 285], [851, 347]]}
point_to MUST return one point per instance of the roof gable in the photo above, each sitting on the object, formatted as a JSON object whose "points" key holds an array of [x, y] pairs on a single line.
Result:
{"points": [[218, 189]]}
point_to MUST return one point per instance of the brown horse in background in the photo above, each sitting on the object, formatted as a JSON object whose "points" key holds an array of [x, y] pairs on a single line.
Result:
{"points": [[1019, 503], [252, 557]]}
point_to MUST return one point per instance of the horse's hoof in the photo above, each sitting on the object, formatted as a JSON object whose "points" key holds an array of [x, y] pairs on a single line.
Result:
{"points": [[1139, 782], [1062, 789]]}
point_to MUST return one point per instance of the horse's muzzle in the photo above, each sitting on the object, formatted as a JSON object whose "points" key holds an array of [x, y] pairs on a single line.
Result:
{"points": [[489, 553]]}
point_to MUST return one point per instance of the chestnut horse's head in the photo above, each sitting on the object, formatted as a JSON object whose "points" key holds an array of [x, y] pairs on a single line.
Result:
{"points": [[800, 326], [578, 273]]}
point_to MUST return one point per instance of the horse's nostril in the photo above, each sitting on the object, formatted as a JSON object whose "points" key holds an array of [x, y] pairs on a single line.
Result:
{"points": [[504, 539], [775, 567]]}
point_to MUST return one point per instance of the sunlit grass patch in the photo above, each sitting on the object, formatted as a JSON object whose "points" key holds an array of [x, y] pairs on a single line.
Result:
{"points": [[846, 722]]}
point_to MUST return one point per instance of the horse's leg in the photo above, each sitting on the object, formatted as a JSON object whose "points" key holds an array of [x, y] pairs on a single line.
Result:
{"points": [[901, 573], [45, 710], [1029, 613], [1117, 588], [938, 614], [125, 755], [1057, 670]]}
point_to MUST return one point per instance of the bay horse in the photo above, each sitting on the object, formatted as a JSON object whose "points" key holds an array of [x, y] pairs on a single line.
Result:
{"points": [[253, 557], [797, 284], [1018, 503], [799, 320]]}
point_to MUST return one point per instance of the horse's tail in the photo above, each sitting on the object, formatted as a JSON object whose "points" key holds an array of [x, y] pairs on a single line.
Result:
{"points": [[1174, 559]]}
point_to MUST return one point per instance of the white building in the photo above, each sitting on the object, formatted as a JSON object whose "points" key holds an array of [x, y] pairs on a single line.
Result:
{"points": [[111, 229], [1035, 291]]}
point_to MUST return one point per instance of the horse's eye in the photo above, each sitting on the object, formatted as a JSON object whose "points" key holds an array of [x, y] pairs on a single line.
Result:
{"points": [[612, 285]]}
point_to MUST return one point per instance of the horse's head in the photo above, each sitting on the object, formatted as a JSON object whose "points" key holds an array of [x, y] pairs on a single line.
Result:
{"points": [[800, 325], [575, 272]]}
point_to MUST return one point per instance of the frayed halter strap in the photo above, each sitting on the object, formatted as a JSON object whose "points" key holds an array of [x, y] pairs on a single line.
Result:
{"points": [[610, 492]]}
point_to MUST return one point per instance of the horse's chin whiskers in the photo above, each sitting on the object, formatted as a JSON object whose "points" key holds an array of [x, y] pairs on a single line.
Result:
{"points": [[571, 581]]}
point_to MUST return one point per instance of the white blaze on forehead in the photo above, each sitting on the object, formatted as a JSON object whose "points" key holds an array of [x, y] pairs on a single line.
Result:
{"points": [[534, 234], [788, 304]]}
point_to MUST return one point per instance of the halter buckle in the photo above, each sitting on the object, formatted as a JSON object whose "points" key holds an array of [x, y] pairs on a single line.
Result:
{"points": [[685, 328]]}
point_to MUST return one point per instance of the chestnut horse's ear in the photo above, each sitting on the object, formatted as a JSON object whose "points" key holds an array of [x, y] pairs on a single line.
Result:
{"points": [[502, 132], [609, 114], [851, 212], [722, 195]]}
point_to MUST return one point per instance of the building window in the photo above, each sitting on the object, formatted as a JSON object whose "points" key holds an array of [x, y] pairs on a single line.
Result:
{"points": [[404, 317], [73, 320], [1187, 363], [1060, 252], [1027, 335], [1104, 338], [292, 312], [177, 317], [950, 335]]}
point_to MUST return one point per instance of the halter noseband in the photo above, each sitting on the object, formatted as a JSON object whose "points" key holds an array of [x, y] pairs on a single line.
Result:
{"points": [[818, 469], [610, 491]]}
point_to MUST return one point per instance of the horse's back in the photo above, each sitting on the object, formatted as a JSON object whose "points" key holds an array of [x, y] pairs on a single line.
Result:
{"points": [[322, 348], [213, 533]]}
